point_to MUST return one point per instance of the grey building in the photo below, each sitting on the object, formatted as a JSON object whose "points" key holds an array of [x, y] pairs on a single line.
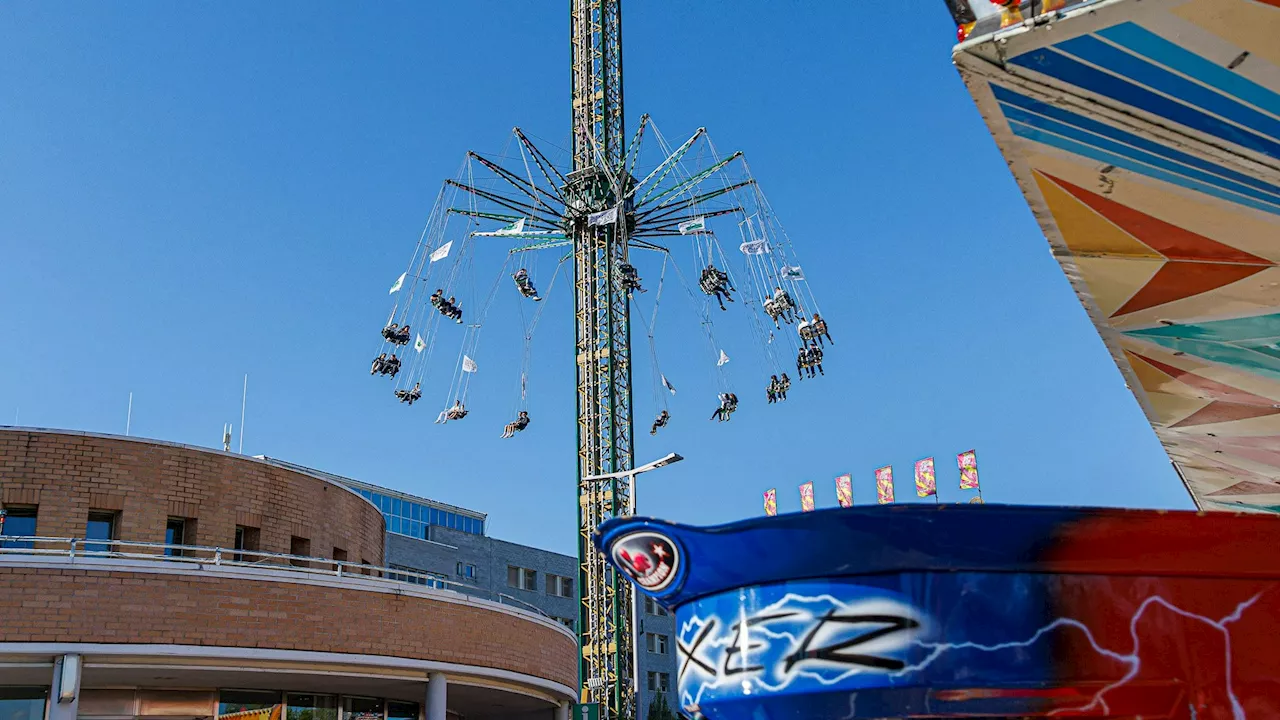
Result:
{"points": [[425, 536]]}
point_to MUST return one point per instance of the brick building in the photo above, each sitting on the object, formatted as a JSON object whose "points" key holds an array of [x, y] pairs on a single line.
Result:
{"points": [[142, 579]]}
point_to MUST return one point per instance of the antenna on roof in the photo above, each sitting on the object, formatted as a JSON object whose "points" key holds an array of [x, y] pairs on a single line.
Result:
{"points": [[128, 418], [226, 437], [243, 399]]}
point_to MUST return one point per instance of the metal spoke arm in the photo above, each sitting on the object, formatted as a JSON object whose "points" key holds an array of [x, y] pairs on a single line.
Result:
{"points": [[681, 187], [668, 210], [521, 184], [481, 215], [673, 223], [541, 161], [666, 165], [529, 211]]}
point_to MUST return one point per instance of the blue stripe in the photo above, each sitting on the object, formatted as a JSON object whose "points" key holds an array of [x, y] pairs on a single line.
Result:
{"points": [[1057, 65], [1058, 128], [1110, 57], [1071, 146], [1144, 42], [1006, 95]]}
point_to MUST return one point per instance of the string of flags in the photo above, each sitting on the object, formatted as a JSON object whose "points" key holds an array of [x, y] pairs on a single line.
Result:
{"points": [[925, 481]]}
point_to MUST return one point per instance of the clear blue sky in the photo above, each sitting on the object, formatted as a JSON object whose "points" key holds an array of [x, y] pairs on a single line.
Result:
{"points": [[193, 191]]}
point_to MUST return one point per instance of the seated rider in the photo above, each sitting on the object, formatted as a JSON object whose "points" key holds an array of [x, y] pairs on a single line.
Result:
{"points": [[409, 396], [521, 422], [451, 310], [715, 282], [771, 390], [525, 285], [820, 329], [378, 363], [402, 337], [784, 384], [802, 362], [457, 412], [389, 332], [391, 366], [630, 277], [437, 298], [815, 360], [660, 422]]}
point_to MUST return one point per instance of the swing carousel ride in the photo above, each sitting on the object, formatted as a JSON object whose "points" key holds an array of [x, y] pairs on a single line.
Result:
{"points": [[623, 218]]}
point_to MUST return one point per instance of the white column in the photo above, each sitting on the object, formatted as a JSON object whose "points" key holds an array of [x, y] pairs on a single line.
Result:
{"points": [[562, 712], [437, 690], [64, 691]]}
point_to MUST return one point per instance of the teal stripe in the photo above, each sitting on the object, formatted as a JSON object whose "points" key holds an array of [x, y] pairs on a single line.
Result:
{"points": [[1144, 42]]}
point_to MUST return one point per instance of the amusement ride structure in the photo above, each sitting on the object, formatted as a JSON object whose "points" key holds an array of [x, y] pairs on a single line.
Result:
{"points": [[612, 196]]}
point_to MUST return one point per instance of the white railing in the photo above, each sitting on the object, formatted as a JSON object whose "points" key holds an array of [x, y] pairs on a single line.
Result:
{"points": [[74, 548]]}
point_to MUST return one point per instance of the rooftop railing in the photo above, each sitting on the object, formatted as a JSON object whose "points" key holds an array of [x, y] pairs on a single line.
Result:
{"points": [[200, 555], [979, 17]]}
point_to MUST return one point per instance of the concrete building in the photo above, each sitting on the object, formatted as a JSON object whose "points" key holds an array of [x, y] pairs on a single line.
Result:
{"points": [[143, 579], [449, 543]]}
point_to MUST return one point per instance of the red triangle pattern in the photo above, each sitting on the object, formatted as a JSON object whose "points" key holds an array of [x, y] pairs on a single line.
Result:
{"points": [[1247, 487], [1178, 280], [1220, 412], [1169, 240], [1217, 391]]}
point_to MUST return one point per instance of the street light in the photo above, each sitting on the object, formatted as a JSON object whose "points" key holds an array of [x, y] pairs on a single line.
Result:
{"points": [[664, 461]]}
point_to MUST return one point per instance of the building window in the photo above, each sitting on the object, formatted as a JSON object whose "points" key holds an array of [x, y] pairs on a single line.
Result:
{"points": [[467, 571], [432, 580], [339, 554], [22, 703], [658, 681], [311, 707], [653, 608], [18, 521], [571, 624], [299, 546], [358, 708], [246, 539], [522, 578], [655, 643], [175, 533], [231, 702], [559, 586], [402, 710], [101, 525]]}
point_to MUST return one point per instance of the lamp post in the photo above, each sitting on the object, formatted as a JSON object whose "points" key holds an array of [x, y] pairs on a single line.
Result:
{"points": [[668, 459]]}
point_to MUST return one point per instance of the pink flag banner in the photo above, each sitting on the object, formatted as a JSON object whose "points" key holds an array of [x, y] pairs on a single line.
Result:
{"points": [[806, 497], [844, 490], [968, 464], [926, 483], [771, 502], [884, 485]]}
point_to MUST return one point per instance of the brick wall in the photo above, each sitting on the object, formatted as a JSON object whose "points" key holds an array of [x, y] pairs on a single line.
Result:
{"points": [[68, 475], [99, 606]]}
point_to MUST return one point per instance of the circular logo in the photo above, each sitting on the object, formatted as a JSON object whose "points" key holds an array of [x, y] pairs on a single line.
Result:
{"points": [[649, 559], [975, 501]]}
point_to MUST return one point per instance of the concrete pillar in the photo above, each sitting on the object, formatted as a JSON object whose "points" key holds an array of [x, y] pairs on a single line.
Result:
{"points": [[437, 692], [64, 690], [562, 712]]}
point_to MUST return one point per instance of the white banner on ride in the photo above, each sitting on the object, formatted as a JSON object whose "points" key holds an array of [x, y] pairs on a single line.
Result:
{"points": [[723, 359], [468, 365], [441, 252], [667, 384], [514, 228], [419, 344], [791, 272], [754, 247], [692, 226], [604, 217], [399, 283]]}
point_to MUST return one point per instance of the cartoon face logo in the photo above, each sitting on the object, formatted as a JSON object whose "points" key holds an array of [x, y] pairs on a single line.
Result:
{"points": [[650, 559]]}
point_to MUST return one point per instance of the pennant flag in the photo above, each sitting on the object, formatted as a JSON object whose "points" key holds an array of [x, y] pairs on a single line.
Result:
{"points": [[441, 252], [605, 217], [395, 287], [884, 485], [667, 384], [524, 385], [723, 359], [419, 344], [926, 485], [468, 365], [771, 502], [968, 464], [514, 228], [790, 272], [806, 497], [696, 225], [754, 247], [844, 490]]}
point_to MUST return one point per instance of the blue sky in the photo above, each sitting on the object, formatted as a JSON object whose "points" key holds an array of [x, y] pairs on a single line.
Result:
{"points": [[192, 192]]}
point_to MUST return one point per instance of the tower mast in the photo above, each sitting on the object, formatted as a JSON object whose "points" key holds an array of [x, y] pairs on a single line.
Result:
{"points": [[599, 183]]}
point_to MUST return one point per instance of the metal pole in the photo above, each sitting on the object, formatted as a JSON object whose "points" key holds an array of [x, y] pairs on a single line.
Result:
{"points": [[128, 418], [244, 398]]}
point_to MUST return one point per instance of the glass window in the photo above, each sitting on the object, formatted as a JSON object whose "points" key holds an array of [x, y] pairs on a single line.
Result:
{"points": [[358, 708], [236, 701], [312, 707], [21, 703], [655, 643], [402, 710], [397, 507], [384, 502], [17, 521], [559, 585], [174, 534], [659, 681], [522, 578], [100, 526], [417, 511], [653, 608]]}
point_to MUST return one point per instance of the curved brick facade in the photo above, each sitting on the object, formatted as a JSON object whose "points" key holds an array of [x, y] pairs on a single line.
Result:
{"points": [[68, 475], [93, 603]]}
